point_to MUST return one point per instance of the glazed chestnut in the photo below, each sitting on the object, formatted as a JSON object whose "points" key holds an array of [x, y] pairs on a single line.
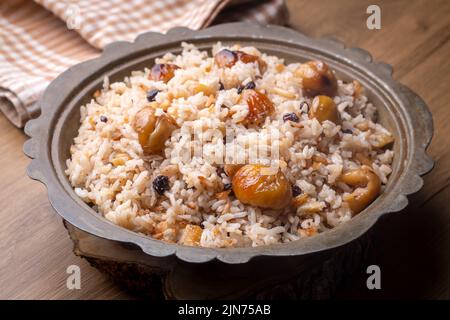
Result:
{"points": [[259, 107], [323, 108], [163, 72], [249, 58], [153, 131], [227, 58], [253, 186], [368, 187], [317, 78]]}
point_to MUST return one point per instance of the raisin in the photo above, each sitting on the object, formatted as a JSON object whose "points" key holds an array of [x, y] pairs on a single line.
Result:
{"points": [[296, 191], [227, 186], [219, 171], [225, 58], [163, 72], [221, 86], [103, 119], [161, 184], [303, 103], [151, 95], [290, 117], [250, 85]]}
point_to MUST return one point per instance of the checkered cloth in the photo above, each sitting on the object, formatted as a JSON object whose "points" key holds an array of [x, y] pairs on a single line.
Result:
{"points": [[40, 39]]}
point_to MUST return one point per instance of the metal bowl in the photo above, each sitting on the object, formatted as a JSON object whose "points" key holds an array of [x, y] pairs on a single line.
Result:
{"points": [[400, 110]]}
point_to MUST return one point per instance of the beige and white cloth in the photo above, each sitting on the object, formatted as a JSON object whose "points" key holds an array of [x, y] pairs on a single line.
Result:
{"points": [[40, 39]]}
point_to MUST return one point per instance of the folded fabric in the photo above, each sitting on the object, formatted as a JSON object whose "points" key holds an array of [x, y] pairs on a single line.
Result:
{"points": [[40, 39]]}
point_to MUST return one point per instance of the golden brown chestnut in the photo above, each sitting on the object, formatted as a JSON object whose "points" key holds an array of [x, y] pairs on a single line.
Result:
{"points": [[226, 58], [323, 108], [163, 72], [368, 187], [153, 131], [317, 78], [252, 185]]}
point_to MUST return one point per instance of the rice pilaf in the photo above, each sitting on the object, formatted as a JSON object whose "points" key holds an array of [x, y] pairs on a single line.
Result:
{"points": [[147, 152]]}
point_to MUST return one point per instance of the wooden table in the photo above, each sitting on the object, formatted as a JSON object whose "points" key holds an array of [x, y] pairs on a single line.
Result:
{"points": [[412, 248]]}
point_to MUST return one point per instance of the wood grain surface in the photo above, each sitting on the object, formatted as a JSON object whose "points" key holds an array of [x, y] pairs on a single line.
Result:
{"points": [[412, 247]]}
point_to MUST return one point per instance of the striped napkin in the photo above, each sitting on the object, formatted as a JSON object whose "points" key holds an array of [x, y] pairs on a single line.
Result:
{"points": [[40, 39]]}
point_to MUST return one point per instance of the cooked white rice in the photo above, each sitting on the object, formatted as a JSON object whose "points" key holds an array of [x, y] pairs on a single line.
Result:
{"points": [[109, 170]]}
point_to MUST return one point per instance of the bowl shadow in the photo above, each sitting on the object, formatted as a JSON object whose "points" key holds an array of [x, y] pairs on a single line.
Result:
{"points": [[410, 251]]}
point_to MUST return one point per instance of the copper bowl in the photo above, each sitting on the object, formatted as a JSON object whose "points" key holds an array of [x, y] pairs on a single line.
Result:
{"points": [[400, 110]]}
